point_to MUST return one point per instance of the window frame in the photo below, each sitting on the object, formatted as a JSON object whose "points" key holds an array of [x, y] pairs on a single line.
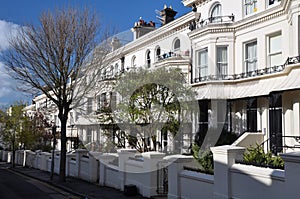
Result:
{"points": [[157, 53], [201, 66], [178, 46], [89, 105], [133, 61], [222, 62], [273, 54], [252, 59], [116, 69], [215, 18], [275, 2], [148, 59], [251, 4]]}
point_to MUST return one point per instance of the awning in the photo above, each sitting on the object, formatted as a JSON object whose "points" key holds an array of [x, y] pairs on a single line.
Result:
{"points": [[258, 87], [290, 82], [251, 87]]}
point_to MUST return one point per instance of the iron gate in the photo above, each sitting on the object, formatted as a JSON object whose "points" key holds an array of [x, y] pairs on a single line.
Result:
{"points": [[162, 178]]}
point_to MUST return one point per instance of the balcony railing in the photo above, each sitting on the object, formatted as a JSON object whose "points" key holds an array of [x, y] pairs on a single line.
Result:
{"points": [[255, 73], [213, 20], [217, 19]]}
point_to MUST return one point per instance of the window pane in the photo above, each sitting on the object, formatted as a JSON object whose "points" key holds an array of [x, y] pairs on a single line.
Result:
{"points": [[250, 6], [221, 60], [216, 13], [276, 60], [133, 64], [89, 105], [275, 44], [251, 56], [275, 54], [177, 44], [103, 100], [203, 63]]}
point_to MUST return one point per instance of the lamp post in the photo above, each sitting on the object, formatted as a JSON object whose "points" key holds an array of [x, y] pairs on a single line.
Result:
{"points": [[53, 148], [13, 146]]}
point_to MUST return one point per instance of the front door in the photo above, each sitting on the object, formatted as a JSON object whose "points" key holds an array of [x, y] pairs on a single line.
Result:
{"points": [[275, 123]]}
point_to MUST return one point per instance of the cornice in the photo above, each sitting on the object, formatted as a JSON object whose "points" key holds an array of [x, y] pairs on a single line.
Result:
{"points": [[181, 24], [178, 25], [255, 19]]}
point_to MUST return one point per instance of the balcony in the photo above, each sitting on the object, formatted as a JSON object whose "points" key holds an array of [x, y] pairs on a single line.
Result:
{"points": [[255, 73], [172, 58], [226, 19]]}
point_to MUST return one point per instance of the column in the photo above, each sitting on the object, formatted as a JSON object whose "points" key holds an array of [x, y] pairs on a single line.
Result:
{"points": [[224, 158]]}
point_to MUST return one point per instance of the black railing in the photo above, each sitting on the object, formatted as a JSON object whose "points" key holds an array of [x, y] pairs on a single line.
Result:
{"points": [[217, 19], [255, 73], [278, 149]]}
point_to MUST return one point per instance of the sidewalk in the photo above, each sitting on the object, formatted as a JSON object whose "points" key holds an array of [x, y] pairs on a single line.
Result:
{"points": [[75, 186]]}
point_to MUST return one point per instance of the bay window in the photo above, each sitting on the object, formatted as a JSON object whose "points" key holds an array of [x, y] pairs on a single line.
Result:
{"points": [[202, 64], [251, 56], [222, 61]]}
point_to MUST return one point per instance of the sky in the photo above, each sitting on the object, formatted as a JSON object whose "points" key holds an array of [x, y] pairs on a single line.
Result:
{"points": [[118, 14]]}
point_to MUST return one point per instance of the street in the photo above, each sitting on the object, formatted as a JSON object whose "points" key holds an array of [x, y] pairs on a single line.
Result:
{"points": [[16, 186]]}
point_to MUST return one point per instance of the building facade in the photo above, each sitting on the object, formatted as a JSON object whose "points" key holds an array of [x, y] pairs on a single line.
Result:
{"points": [[242, 60]]}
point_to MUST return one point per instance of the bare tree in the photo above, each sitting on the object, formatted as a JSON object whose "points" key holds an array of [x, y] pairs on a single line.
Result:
{"points": [[56, 59]]}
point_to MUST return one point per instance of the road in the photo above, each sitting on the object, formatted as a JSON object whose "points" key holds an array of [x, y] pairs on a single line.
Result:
{"points": [[17, 186]]}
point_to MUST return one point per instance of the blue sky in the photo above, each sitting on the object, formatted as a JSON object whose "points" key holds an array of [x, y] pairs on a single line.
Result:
{"points": [[119, 14]]}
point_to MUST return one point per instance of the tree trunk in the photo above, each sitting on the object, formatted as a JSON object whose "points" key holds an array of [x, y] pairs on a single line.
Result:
{"points": [[63, 116]]}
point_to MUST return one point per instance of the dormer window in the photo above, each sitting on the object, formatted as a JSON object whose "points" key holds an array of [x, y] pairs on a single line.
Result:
{"points": [[216, 12], [250, 6]]}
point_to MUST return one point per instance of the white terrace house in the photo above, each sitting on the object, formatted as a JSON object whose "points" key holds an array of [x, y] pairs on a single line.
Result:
{"points": [[45, 106], [242, 58], [247, 53]]}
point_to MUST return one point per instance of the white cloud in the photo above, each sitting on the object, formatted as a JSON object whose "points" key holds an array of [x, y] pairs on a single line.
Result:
{"points": [[8, 86], [7, 30]]}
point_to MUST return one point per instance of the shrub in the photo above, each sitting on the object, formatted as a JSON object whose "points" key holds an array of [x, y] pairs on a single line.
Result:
{"points": [[256, 155], [204, 158]]}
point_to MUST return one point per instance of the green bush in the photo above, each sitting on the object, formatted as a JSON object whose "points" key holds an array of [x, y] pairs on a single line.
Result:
{"points": [[256, 155], [204, 158]]}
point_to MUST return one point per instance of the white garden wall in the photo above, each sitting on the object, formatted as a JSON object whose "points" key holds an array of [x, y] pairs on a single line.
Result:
{"points": [[230, 180]]}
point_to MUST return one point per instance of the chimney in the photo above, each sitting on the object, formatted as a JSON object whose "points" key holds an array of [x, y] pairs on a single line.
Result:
{"points": [[167, 15], [115, 44], [142, 27]]}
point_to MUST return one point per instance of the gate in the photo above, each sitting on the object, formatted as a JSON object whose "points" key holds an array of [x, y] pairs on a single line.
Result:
{"points": [[162, 178]]}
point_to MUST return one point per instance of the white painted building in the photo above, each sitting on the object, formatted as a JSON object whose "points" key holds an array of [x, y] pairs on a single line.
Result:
{"points": [[241, 57]]}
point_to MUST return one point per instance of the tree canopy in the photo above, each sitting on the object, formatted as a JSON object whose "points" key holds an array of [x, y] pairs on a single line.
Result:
{"points": [[151, 101]]}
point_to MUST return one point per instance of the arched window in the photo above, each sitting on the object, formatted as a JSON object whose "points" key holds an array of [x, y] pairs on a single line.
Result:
{"points": [[116, 69], [176, 44], [112, 72], [133, 62], [216, 13], [148, 59], [158, 52], [104, 74]]}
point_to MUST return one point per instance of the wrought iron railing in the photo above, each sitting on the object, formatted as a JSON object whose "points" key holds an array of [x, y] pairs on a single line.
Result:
{"points": [[211, 20], [277, 149], [216, 20], [255, 73]]}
